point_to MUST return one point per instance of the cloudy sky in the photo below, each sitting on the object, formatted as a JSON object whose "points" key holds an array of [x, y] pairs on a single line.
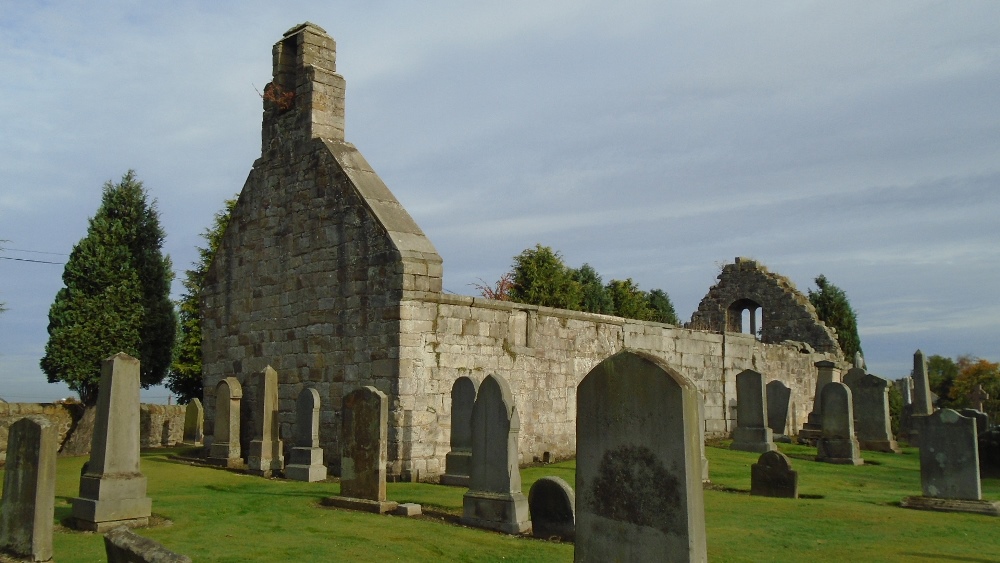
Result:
{"points": [[653, 140]]}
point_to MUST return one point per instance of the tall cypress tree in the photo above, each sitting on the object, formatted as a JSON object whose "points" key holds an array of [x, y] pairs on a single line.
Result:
{"points": [[116, 295], [833, 308]]}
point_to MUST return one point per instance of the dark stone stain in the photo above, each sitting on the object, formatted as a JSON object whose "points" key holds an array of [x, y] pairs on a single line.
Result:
{"points": [[633, 486]]}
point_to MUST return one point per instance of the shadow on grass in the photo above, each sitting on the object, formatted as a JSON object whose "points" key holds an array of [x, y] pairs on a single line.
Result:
{"points": [[242, 491], [942, 557]]}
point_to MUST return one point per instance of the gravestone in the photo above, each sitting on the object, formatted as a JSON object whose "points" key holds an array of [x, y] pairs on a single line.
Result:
{"points": [[29, 489], [778, 397], [552, 506], [701, 439], [872, 422], [752, 433], [363, 452], [305, 461], [122, 545], [922, 404], [982, 419], [977, 397], [838, 444], [639, 491], [494, 500], [458, 462], [266, 456], [194, 416], [905, 386], [859, 360], [113, 489], [949, 466], [826, 372], [772, 476], [225, 450]]}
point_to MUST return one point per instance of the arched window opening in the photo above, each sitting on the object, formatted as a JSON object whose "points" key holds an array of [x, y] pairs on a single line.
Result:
{"points": [[746, 316]]}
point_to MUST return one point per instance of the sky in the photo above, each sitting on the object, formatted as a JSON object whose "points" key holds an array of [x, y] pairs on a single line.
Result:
{"points": [[653, 140]]}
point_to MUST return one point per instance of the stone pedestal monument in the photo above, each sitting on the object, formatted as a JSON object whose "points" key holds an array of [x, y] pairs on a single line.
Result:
{"points": [[306, 459]]}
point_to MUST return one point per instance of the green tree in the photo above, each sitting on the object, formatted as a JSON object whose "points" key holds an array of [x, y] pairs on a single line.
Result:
{"points": [[595, 298], [662, 307], [116, 295], [941, 374], [629, 301], [834, 309], [184, 379], [895, 407], [973, 371], [541, 278]]}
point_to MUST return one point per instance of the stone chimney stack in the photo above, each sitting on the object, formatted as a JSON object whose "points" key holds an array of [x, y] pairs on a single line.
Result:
{"points": [[305, 98]]}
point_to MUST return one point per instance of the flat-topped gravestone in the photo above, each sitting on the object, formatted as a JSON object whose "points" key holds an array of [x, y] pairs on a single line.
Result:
{"points": [[837, 443], [772, 476], [305, 461], [29, 489], [826, 372], [870, 396], [458, 462], [225, 450], [266, 456], [552, 506], [638, 474], [949, 466], [113, 489], [778, 397], [752, 433], [194, 415], [494, 500]]}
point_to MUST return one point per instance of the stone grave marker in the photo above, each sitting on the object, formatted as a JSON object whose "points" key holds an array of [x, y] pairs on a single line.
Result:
{"points": [[826, 372], [122, 545], [982, 419], [113, 489], [772, 476], [778, 397], [306, 457], [552, 506], [639, 491], [494, 500], [29, 489], [194, 418], [977, 397], [266, 456], [701, 439], [872, 422], [905, 386], [752, 433], [949, 466], [225, 450], [922, 404], [458, 462], [838, 444]]}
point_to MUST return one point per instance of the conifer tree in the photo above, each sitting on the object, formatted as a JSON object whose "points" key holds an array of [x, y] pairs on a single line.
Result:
{"points": [[116, 295], [595, 298], [663, 309], [629, 301], [833, 308], [541, 278]]}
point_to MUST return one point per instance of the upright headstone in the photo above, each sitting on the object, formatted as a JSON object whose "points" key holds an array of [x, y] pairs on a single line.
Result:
{"points": [[905, 386], [982, 420], [859, 360], [363, 451], [977, 397], [266, 456], [29, 489], [458, 462], [552, 506], [639, 491], [194, 416], [225, 449], [873, 423], [113, 489], [921, 386], [772, 476], [826, 372], [778, 397], [949, 466], [306, 458], [838, 444], [752, 433], [494, 500], [701, 439]]}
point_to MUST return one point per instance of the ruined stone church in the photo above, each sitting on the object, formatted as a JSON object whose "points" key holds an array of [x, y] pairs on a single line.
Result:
{"points": [[325, 277]]}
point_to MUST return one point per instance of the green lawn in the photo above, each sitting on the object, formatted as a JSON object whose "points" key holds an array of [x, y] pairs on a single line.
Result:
{"points": [[217, 515]]}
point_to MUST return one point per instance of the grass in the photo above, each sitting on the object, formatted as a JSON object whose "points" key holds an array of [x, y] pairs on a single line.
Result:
{"points": [[217, 515]]}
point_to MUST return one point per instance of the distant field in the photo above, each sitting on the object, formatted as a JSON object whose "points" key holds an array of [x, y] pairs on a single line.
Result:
{"points": [[216, 515]]}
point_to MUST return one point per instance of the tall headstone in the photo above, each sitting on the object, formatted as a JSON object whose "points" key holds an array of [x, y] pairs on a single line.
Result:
{"points": [[194, 419], [826, 372], [458, 462], [772, 476], [306, 458], [113, 489], [921, 386], [363, 451], [29, 489], [949, 466], [225, 450], [639, 491], [752, 433], [552, 506], [778, 397], [266, 456], [838, 444], [905, 386], [494, 500], [873, 424]]}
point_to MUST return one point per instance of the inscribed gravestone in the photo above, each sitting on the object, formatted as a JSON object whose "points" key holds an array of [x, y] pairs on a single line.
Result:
{"points": [[551, 504], [266, 455], [838, 444], [113, 489], [826, 372], [306, 458], [639, 491], [870, 395], [29, 489], [752, 433], [778, 396], [364, 437], [194, 415], [458, 462], [772, 476], [225, 449], [494, 500]]}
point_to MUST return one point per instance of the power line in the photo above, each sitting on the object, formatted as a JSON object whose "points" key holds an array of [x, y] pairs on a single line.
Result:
{"points": [[36, 251], [29, 260]]}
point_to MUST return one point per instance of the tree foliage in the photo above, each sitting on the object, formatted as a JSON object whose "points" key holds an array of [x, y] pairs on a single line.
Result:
{"points": [[941, 374], [834, 309], [595, 298], [541, 278], [116, 295], [662, 307], [185, 378], [629, 301], [973, 371]]}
